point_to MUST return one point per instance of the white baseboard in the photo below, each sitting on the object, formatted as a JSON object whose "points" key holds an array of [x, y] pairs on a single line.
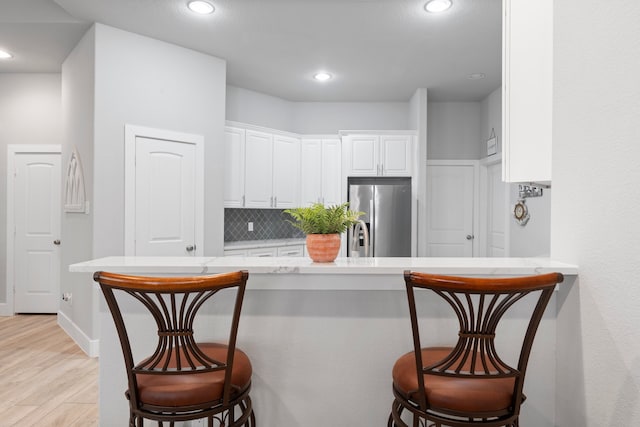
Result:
{"points": [[89, 346], [5, 309]]}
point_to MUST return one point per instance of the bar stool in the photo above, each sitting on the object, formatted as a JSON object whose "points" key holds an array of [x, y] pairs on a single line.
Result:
{"points": [[180, 379], [468, 384]]}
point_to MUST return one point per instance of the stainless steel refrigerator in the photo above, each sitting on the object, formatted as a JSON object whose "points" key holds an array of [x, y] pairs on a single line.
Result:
{"points": [[386, 223]]}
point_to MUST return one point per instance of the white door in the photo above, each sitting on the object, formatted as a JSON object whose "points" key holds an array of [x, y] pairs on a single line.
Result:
{"points": [[165, 200], [36, 217], [496, 212], [450, 203]]}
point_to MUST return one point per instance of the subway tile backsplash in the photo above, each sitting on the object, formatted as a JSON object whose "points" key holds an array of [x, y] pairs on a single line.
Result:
{"points": [[267, 224]]}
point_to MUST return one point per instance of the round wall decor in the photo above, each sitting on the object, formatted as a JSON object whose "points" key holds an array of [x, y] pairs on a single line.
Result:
{"points": [[521, 213]]}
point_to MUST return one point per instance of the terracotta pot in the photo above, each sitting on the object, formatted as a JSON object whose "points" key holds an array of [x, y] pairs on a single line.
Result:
{"points": [[323, 247]]}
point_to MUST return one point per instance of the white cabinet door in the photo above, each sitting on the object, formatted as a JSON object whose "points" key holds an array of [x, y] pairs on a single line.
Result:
{"points": [[527, 80], [379, 155], [263, 252], [286, 172], [331, 172], [321, 167], [235, 252], [311, 171], [396, 155], [234, 164], [363, 155], [291, 251], [258, 169]]}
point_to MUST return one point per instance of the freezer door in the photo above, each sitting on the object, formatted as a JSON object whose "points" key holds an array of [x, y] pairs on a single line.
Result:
{"points": [[360, 199], [391, 225]]}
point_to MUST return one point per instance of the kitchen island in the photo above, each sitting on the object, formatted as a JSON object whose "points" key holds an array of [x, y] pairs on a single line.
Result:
{"points": [[323, 338]]}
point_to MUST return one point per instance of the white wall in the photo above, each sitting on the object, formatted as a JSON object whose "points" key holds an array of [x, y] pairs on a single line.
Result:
{"points": [[491, 119], [30, 113], [247, 106], [454, 131], [330, 117], [78, 78], [146, 82], [596, 172], [534, 239]]}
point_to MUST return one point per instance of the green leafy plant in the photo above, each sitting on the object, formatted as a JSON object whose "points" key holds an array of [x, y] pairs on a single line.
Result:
{"points": [[318, 219]]}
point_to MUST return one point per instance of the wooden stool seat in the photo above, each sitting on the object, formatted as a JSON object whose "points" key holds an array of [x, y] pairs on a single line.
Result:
{"points": [[195, 388], [452, 393]]}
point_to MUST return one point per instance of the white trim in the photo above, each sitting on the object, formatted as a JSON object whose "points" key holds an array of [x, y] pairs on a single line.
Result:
{"points": [[131, 133], [376, 132], [89, 346], [7, 308], [257, 128]]}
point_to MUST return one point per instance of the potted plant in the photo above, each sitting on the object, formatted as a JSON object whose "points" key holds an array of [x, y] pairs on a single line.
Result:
{"points": [[323, 226]]}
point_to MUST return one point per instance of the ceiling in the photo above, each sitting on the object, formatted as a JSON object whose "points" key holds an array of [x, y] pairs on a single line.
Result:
{"points": [[376, 50]]}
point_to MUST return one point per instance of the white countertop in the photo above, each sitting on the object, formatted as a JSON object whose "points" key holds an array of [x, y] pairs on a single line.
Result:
{"points": [[342, 266]]}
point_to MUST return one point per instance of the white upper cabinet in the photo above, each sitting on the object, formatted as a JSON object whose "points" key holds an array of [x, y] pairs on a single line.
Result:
{"points": [[258, 169], [527, 90], [234, 164], [262, 169], [363, 159], [396, 155], [320, 171], [286, 172], [310, 171], [379, 155], [331, 171]]}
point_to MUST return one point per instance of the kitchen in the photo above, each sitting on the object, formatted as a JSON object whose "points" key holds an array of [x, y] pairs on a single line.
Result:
{"points": [[579, 232]]}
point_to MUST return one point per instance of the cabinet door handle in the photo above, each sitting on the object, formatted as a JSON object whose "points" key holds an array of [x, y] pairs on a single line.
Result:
{"points": [[275, 201], [243, 200]]}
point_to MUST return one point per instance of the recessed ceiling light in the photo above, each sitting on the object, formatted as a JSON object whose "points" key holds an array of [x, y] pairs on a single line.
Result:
{"points": [[476, 76], [5, 55], [322, 76], [435, 6], [201, 7]]}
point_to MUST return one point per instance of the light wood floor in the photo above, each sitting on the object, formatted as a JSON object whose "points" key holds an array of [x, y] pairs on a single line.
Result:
{"points": [[45, 379]]}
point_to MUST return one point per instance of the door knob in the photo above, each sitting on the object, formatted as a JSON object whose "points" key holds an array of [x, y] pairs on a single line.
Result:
{"points": [[190, 248], [469, 236], [56, 242]]}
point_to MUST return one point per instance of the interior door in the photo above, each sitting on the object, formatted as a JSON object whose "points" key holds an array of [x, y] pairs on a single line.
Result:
{"points": [[450, 210], [36, 252], [165, 200], [496, 220]]}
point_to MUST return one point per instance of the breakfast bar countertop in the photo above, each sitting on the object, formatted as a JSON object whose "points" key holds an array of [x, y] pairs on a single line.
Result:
{"points": [[294, 267]]}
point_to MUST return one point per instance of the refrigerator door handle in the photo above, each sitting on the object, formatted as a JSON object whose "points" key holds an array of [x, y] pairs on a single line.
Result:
{"points": [[360, 227]]}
